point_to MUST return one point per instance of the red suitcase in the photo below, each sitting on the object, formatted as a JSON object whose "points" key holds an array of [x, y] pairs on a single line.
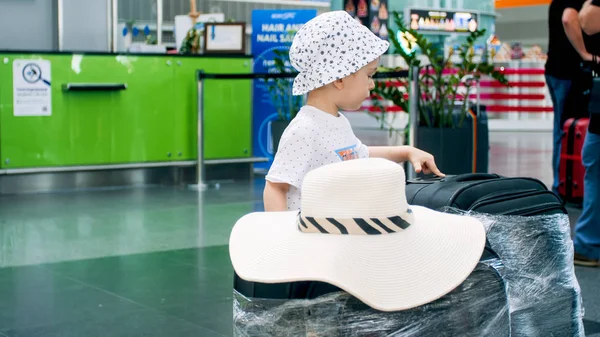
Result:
{"points": [[571, 168]]}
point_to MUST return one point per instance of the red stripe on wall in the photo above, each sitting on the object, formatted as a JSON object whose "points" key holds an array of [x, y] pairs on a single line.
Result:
{"points": [[509, 109]]}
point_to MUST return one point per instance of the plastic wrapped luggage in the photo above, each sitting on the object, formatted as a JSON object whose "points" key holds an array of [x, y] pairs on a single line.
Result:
{"points": [[478, 307], [537, 252], [484, 193], [571, 170], [529, 229]]}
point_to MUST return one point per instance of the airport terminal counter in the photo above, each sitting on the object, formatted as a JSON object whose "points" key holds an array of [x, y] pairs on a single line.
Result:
{"points": [[75, 112]]}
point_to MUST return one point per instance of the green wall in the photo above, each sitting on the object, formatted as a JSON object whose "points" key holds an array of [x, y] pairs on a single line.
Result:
{"points": [[153, 120]]}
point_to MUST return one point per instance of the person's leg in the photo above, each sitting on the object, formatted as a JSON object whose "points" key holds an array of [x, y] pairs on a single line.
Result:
{"points": [[587, 230], [559, 90]]}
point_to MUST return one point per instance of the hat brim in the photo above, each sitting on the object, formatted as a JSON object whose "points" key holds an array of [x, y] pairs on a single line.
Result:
{"points": [[387, 272]]}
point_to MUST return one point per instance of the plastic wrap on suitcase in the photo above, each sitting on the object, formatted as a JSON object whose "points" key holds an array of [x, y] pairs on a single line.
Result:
{"points": [[543, 292], [478, 307]]}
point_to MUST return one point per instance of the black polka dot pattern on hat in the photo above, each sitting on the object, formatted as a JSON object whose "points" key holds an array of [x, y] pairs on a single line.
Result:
{"points": [[328, 37]]}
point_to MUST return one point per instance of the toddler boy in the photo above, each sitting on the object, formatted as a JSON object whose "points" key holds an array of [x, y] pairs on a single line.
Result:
{"points": [[336, 58]]}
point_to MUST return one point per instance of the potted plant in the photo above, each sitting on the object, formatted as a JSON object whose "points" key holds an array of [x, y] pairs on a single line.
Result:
{"points": [[448, 126], [395, 92], [191, 42], [280, 90]]}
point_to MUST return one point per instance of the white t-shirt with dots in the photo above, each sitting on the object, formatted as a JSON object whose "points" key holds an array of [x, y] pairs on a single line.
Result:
{"points": [[314, 138]]}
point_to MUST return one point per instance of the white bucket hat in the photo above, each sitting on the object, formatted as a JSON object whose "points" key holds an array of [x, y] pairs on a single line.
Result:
{"points": [[329, 47], [357, 232]]}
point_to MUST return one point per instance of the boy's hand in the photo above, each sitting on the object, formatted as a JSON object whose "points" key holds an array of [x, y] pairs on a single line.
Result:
{"points": [[420, 160], [423, 162]]}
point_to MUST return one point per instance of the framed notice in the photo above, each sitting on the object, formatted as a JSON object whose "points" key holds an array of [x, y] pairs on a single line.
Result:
{"points": [[32, 93], [226, 37]]}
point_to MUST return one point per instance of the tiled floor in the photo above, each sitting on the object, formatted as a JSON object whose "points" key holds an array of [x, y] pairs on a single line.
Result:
{"points": [[154, 262]]}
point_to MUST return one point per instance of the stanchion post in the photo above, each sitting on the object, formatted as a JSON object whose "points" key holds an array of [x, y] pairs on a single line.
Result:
{"points": [[412, 113], [114, 24], [159, 21], [60, 24], [200, 184]]}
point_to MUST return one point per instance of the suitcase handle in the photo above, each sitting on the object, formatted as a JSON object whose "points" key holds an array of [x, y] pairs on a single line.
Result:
{"points": [[426, 180], [455, 178], [470, 177]]}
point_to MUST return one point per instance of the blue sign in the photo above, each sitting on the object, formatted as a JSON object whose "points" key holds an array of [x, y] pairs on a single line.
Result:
{"points": [[272, 31]]}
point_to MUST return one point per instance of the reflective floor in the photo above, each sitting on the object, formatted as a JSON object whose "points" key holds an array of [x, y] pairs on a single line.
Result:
{"points": [[154, 261]]}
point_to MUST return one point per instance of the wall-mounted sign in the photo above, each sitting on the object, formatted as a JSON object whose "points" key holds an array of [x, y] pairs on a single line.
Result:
{"points": [[32, 92], [443, 21], [272, 30]]}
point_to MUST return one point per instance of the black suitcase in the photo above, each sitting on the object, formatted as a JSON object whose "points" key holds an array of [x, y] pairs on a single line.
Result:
{"points": [[485, 193], [279, 291]]}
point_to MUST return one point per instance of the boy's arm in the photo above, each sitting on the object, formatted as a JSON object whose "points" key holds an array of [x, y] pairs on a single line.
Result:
{"points": [[396, 154], [275, 197], [291, 163], [420, 160]]}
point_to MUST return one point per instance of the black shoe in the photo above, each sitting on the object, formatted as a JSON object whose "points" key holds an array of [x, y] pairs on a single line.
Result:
{"points": [[583, 261]]}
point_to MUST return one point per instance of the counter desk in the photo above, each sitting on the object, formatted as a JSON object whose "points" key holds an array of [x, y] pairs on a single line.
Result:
{"points": [[94, 114]]}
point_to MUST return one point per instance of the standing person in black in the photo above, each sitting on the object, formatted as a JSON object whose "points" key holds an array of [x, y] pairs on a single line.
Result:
{"points": [[566, 50], [587, 230]]}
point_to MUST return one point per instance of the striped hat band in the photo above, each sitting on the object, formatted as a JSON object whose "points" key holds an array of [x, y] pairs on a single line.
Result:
{"points": [[355, 226]]}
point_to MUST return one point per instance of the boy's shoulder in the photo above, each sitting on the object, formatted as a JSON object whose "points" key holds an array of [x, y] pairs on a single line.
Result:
{"points": [[299, 126], [305, 118], [312, 115], [311, 120], [306, 128]]}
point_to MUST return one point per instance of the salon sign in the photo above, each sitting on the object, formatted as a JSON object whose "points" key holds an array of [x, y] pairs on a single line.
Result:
{"points": [[272, 31]]}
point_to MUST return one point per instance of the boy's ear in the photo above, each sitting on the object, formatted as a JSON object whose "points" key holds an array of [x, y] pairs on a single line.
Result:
{"points": [[339, 84]]}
